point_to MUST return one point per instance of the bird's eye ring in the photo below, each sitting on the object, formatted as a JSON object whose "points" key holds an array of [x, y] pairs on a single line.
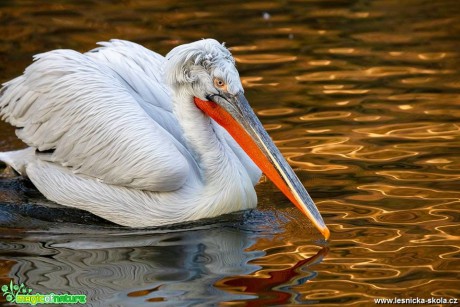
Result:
{"points": [[219, 83]]}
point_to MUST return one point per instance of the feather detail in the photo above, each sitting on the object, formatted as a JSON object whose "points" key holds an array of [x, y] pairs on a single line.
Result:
{"points": [[110, 133]]}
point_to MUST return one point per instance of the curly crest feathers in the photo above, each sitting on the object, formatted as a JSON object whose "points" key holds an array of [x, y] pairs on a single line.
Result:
{"points": [[185, 62]]}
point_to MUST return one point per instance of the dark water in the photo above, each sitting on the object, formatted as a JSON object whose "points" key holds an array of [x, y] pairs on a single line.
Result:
{"points": [[363, 97]]}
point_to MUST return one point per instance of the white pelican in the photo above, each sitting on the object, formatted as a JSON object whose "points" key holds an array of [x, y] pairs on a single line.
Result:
{"points": [[141, 139]]}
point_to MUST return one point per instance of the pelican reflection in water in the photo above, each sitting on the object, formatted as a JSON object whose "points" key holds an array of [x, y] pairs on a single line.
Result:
{"points": [[202, 265], [141, 139]]}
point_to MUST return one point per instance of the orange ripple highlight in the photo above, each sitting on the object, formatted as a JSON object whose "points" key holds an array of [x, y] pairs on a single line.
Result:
{"points": [[325, 116], [411, 192], [265, 59], [276, 111], [414, 131], [256, 82], [368, 74], [418, 176], [381, 155], [309, 166]]}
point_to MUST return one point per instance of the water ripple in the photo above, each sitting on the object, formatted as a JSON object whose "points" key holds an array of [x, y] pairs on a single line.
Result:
{"points": [[360, 96]]}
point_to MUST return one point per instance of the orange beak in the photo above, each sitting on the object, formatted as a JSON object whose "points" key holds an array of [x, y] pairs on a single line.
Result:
{"points": [[236, 116]]}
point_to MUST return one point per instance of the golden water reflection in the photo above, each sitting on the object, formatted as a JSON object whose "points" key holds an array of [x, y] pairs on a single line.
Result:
{"points": [[362, 97]]}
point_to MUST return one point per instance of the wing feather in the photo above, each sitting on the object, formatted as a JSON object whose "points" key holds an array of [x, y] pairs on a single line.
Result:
{"points": [[140, 70], [95, 123]]}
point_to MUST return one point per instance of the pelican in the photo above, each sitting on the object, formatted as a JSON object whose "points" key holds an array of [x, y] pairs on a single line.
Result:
{"points": [[144, 140]]}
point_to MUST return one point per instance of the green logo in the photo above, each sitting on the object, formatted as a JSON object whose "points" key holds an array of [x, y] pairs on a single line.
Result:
{"points": [[20, 294], [12, 290]]}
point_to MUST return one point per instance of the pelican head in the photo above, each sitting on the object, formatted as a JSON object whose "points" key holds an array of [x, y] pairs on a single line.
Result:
{"points": [[206, 70]]}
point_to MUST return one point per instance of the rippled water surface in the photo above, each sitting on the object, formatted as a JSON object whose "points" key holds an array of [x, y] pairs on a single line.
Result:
{"points": [[362, 97]]}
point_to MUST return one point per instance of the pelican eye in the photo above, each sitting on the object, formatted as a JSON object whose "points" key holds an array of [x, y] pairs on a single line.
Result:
{"points": [[219, 83]]}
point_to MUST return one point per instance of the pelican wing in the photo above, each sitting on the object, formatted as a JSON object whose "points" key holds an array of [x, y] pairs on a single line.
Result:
{"points": [[140, 70], [84, 112]]}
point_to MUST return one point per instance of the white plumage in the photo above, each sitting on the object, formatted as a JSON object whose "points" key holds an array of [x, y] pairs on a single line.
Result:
{"points": [[144, 140], [108, 139]]}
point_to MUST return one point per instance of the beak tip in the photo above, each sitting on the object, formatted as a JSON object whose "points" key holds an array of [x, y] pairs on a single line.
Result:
{"points": [[326, 233]]}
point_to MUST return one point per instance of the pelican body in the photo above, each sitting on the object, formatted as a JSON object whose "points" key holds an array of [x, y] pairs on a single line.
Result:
{"points": [[144, 140]]}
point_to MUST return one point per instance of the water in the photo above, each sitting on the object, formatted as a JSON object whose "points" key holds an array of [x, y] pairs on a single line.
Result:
{"points": [[361, 96]]}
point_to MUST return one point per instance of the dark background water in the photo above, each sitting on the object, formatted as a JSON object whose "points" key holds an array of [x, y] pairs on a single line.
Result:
{"points": [[363, 97]]}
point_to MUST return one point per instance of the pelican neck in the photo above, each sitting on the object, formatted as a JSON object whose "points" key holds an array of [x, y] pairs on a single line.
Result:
{"points": [[208, 148]]}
